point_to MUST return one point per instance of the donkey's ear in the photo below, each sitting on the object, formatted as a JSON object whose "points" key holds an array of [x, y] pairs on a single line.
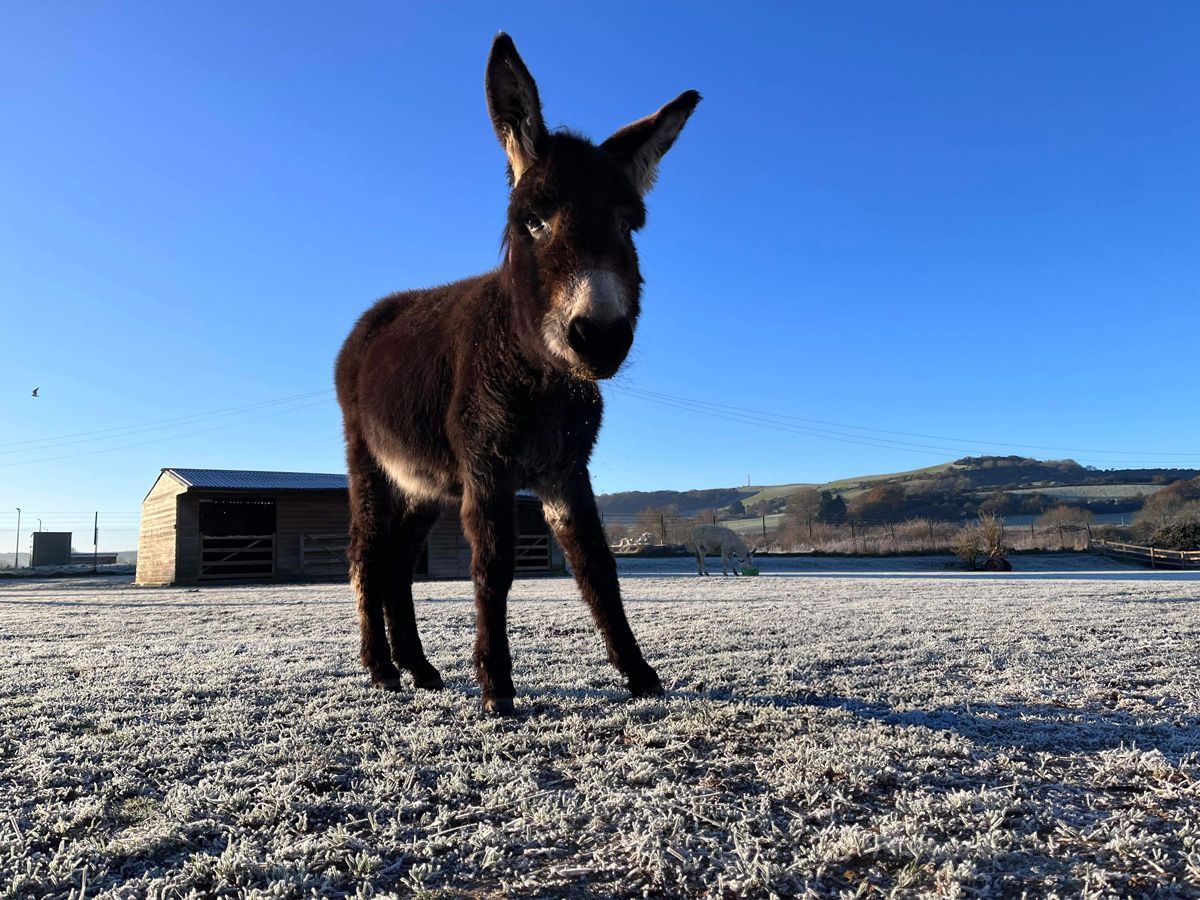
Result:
{"points": [[639, 146], [513, 104]]}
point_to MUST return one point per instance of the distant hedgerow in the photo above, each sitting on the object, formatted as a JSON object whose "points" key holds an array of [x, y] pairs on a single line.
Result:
{"points": [[1178, 536]]}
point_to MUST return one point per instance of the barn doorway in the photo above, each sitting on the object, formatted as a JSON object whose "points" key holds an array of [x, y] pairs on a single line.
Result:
{"points": [[237, 538]]}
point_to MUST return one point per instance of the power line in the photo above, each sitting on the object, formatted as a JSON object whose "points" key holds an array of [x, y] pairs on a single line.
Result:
{"points": [[763, 421], [934, 437], [167, 438], [72, 512], [83, 437], [772, 419], [783, 423]]}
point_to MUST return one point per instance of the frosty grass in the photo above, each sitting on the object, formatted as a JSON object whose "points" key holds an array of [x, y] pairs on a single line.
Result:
{"points": [[824, 734]]}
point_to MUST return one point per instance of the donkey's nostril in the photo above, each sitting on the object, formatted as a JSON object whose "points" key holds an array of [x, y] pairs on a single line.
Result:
{"points": [[622, 335], [581, 333]]}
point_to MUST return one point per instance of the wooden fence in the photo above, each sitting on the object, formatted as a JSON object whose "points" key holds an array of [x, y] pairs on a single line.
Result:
{"points": [[1154, 557]]}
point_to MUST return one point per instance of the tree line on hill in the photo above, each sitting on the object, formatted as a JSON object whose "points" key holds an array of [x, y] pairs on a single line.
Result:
{"points": [[957, 490], [1169, 517]]}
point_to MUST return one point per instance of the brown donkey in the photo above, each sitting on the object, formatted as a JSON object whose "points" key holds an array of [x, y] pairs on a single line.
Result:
{"points": [[469, 392]]}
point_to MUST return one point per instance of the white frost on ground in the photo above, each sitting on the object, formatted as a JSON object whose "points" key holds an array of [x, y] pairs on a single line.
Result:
{"points": [[944, 564], [823, 734], [74, 569]]}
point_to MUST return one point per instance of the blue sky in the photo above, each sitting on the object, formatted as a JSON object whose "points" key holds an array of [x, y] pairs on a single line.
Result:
{"points": [[973, 221]]}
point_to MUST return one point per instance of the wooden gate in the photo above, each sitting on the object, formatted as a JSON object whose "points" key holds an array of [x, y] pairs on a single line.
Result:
{"points": [[533, 553], [324, 555], [237, 556]]}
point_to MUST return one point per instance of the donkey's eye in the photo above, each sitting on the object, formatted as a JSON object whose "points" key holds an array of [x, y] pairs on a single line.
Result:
{"points": [[537, 226], [625, 227]]}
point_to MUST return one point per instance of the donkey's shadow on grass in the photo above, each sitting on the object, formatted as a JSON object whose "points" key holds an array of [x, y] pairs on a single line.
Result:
{"points": [[1033, 727], [1042, 727]]}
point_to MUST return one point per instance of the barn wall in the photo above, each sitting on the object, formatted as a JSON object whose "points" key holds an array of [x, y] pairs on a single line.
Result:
{"points": [[449, 552], [187, 540], [298, 514], [156, 537]]}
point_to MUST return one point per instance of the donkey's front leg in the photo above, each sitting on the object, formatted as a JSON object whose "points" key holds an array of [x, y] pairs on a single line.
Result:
{"points": [[490, 523], [572, 513]]}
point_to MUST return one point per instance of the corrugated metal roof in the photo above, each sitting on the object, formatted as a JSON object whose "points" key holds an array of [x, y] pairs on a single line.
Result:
{"points": [[234, 480], [231, 480]]}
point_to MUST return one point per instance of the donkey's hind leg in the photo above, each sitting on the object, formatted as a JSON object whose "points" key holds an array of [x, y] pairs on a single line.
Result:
{"points": [[410, 527]]}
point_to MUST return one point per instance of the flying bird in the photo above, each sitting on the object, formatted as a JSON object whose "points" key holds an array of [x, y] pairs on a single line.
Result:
{"points": [[35, 391]]}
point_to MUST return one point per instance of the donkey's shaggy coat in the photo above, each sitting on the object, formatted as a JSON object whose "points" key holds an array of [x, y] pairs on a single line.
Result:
{"points": [[469, 392]]}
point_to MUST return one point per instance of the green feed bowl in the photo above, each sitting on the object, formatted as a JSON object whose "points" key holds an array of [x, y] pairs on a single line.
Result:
{"points": [[749, 570]]}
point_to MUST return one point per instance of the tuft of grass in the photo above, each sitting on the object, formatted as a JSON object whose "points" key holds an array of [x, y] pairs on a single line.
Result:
{"points": [[138, 809]]}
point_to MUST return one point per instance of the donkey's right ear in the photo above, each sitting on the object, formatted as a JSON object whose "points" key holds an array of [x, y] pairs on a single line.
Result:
{"points": [[513, 104]]}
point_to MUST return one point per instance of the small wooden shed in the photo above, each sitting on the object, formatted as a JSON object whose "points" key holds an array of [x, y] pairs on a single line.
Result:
{"points": [[201, 525]]}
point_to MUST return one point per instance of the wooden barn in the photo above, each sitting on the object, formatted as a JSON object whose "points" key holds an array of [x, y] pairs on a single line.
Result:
{"points": [[202, 525]]}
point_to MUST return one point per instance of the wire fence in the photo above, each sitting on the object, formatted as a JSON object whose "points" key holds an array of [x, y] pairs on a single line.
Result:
{"points": [[108, 534], [650, 531]]}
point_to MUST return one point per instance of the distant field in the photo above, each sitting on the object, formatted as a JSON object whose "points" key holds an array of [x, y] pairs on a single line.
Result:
{"points": [[772, 492], [851, 486], [754, 526], [1093, 491], [847, 487]]}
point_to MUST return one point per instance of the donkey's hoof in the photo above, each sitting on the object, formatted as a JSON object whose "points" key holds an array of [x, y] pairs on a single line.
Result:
{"points": [[428, 681], [499, 706], [646, 684], [388, 684]]}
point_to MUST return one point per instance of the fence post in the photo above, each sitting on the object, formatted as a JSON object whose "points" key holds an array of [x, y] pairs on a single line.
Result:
{"points": [[1060, 538], [95, 543], [930, 521], [853, 533], [1152, 556], [892, 525], [662, 525], [1032, 535]]}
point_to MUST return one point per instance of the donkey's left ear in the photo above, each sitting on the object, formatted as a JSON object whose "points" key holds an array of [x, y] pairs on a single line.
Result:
{"points": [[639, 146]]}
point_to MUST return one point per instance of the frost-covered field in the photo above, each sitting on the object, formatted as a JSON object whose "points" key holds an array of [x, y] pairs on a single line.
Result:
{"points": [[824, 733]]}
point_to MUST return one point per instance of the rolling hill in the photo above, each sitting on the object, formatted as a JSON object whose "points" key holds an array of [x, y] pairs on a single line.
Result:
{"points": [[951, 489]]}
